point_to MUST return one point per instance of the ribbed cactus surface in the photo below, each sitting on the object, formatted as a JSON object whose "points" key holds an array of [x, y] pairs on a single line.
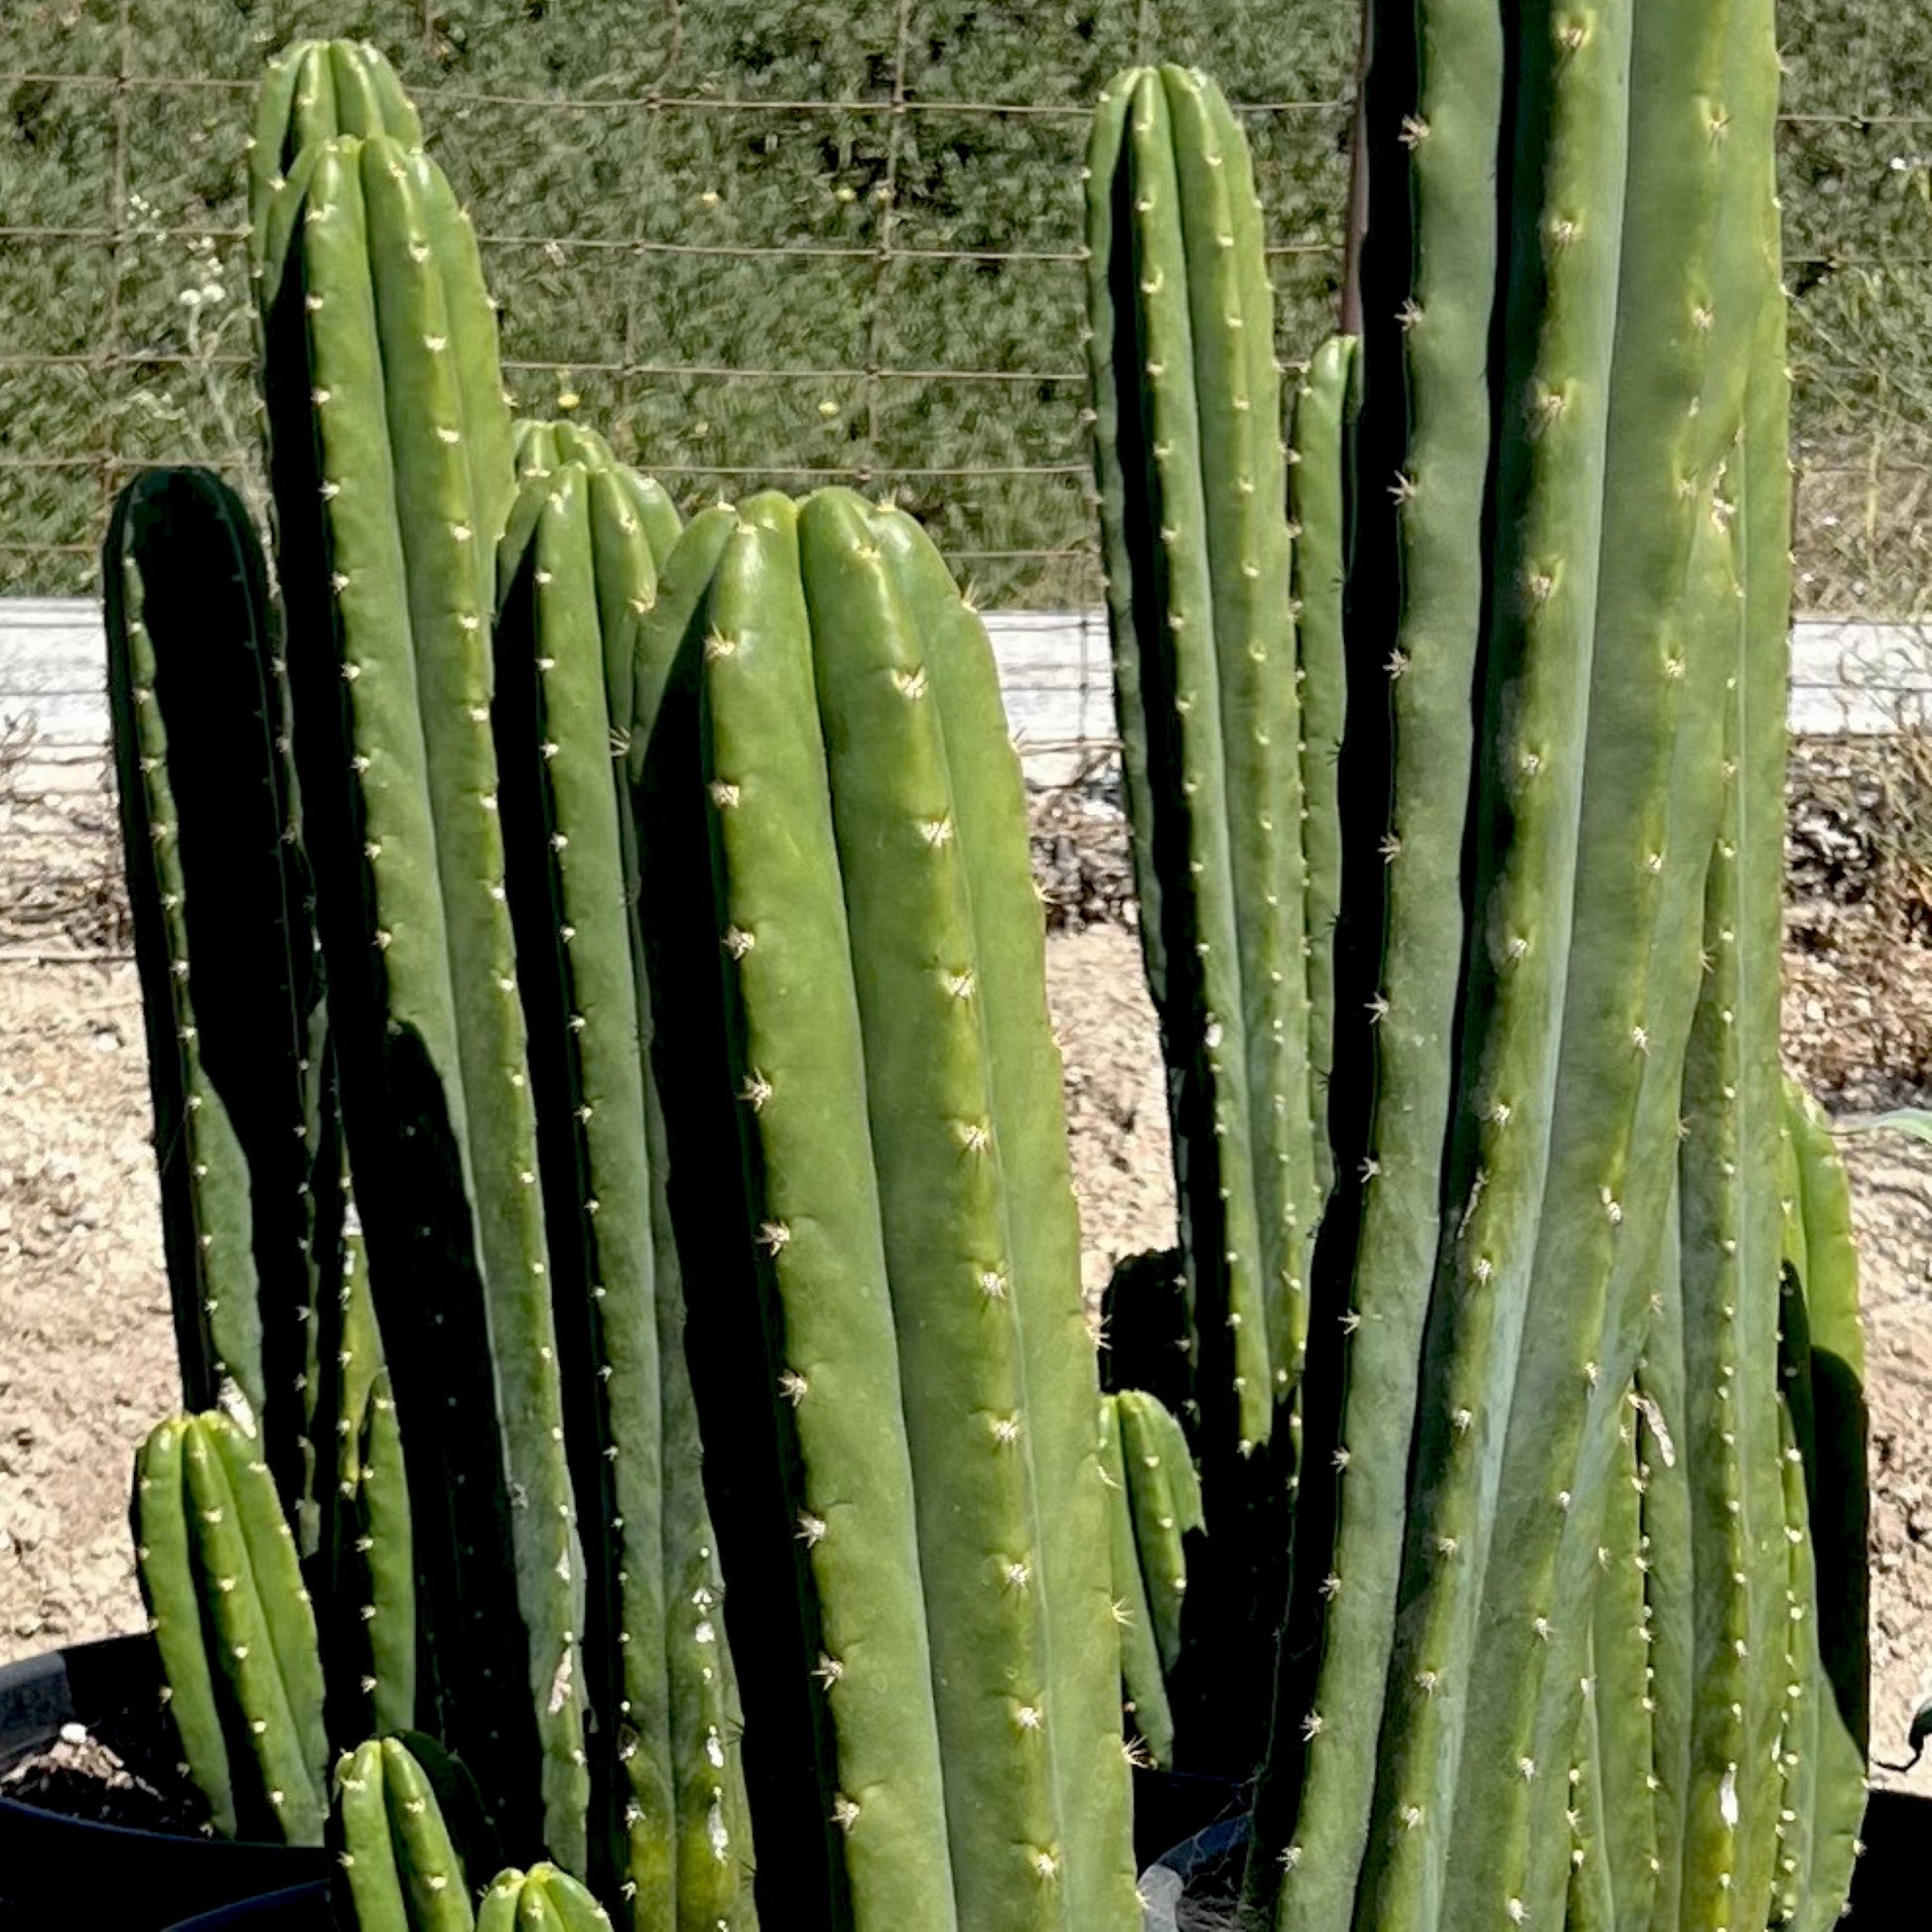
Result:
{"points": [[847, 894], [576, 581], [1550, 1541], [542, 1899], [1231, 690], [1193, 511], [400, 1867], [235, 1627], [243, 1122], [391, 455]]}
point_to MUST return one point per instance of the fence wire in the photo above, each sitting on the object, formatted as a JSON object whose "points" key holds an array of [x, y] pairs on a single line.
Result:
{"points": [[792, 241]]}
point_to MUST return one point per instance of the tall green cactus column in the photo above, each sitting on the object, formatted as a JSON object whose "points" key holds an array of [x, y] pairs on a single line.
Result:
{"points": [[981, 1235], [579, 578], [794, 1351], [1194, 482], [390, 453], [244, 1130], [1566, 152], [559, 810], [1190, 466], [1428, 278]]}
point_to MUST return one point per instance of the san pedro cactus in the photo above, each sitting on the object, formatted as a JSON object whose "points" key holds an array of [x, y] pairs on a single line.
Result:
{"points": [[1194, 510], [578, 578], [1143, 1671], [400, 1867], [837, 901], [272, 1305], [542, 1899], [233, 1623], [244, 1128], [390, 458], [1231, 694], [364, 1577], [1551, 1537]]}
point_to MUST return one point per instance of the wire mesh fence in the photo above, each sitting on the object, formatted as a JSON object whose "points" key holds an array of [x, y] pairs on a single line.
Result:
{"points": [[785, 241]]}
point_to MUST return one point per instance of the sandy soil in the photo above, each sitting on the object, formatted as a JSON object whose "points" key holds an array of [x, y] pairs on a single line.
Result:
{"points": [[86, 1360]]}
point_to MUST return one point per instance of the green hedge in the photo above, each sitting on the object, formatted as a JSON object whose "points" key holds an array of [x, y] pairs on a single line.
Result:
{"points": [[567, 190]]}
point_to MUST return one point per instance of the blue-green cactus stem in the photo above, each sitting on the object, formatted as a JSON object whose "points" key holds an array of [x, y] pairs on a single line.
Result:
{"points": [[402, 1869], [715, 1852], [949, 1228], [362, 1573], [715, 1855], [1169, 694], [1664, 1497], [988, 806], [1428, 282], [374, 447], [1143, 1674], [1617, 1663], [1623, 1027], [1164, 1494], [260, 1619], [1238, 385], [1723, 1791], [1324, 401], [543, 1899], [1800, 1683], [448, 526], [768, 927], [234, 1626], [1114, 361], [564, 848], [1826, 1343], [165, 1564], [312, 91], [217, 886], [1559, 321]]}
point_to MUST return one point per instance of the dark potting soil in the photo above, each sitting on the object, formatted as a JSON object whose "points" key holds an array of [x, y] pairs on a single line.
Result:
{"points": [[119, 1770]]}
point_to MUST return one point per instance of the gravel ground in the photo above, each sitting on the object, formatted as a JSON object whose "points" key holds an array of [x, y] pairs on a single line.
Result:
{"points": [[86, 1352]]}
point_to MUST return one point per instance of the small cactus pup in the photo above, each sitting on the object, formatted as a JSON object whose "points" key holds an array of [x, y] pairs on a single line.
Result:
{"points": [[1142, 1670], [235, 1627], [231, 982], [578, 578], [837, 904], [363, 1575], [542, 1899], [400, 1865], [390, 459]]}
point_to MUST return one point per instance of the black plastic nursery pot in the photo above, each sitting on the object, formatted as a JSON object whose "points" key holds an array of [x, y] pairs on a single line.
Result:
{"points": [[77, 1871], [301, 1908], [1888, 1884]]}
